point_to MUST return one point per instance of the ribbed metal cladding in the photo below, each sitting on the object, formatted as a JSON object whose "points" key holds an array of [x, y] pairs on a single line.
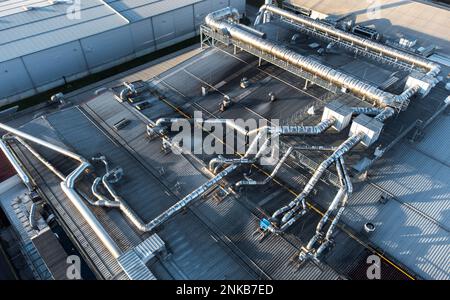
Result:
{"points": [[147, 249], [133, 261], [272, 254], [134, 267]]}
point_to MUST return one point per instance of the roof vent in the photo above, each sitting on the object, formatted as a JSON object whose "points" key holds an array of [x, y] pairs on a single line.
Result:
{"points": [[369, 227], [54, 2], [28, 8]]}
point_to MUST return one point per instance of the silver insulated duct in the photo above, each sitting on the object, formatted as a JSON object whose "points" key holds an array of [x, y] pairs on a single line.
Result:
{"points": [[218, 22], [68, 187], [432, 68]]}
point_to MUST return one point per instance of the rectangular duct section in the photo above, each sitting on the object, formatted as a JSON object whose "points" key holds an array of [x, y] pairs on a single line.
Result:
{"points": [[133, 261], [340, 112], [367, 125]]}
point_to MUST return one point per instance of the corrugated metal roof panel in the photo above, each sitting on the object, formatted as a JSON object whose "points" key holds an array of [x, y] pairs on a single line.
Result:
{"points": [[436, 142], [147, 249], [134, 267], [418, 180], [24, 32], [412, 226], [136, 10], [272, 255], [195, 253]]}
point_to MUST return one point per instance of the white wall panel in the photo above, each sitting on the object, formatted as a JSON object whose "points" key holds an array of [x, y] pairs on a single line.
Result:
{"points": [[142, 33], [108, 46], [174, 26], [164, 27], [13, 78], [201, 9], [55, 63], [219, 4], [184, 20], [239, 4]]}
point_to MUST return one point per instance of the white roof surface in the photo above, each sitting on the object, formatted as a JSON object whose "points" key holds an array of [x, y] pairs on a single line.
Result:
{"points": [[426, 22]]}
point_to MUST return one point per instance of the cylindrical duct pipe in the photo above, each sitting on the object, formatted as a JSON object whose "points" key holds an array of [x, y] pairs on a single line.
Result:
{"points": [[355, 85], [432, 67], [68, 187]]}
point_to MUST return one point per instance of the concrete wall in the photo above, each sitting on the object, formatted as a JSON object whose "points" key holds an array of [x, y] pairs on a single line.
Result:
{"points": [[38, 72]]}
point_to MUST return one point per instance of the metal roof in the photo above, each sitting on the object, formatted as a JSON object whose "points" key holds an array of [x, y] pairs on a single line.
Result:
{"points": [[416, 224], [53, 254], [12, 201], [23, 32], [424, 21], [46, 24], [436, 142], [216, 236], [135, 10], [426, 252], [411, 238]]}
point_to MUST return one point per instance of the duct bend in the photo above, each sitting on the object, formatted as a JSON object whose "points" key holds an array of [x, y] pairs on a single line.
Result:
{"points": [[342, 194], [432, 68], [102, 201], [349, 191], [293, 207], [32, 218], [385, 114], [271, 176], [402, 99], [68, 187], [214, 19], [103, 160]]}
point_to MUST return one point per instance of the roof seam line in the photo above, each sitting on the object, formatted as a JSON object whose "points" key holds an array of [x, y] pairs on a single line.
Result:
{"points": [[115, 11]]}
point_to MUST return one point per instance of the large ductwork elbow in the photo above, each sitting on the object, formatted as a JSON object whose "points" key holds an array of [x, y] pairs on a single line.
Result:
{"points": [[217, 21], [68, 187]]}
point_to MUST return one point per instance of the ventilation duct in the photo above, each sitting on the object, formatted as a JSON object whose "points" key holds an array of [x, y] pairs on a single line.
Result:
{"points": [[68, 187], [432, 68], [218, 22]]}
